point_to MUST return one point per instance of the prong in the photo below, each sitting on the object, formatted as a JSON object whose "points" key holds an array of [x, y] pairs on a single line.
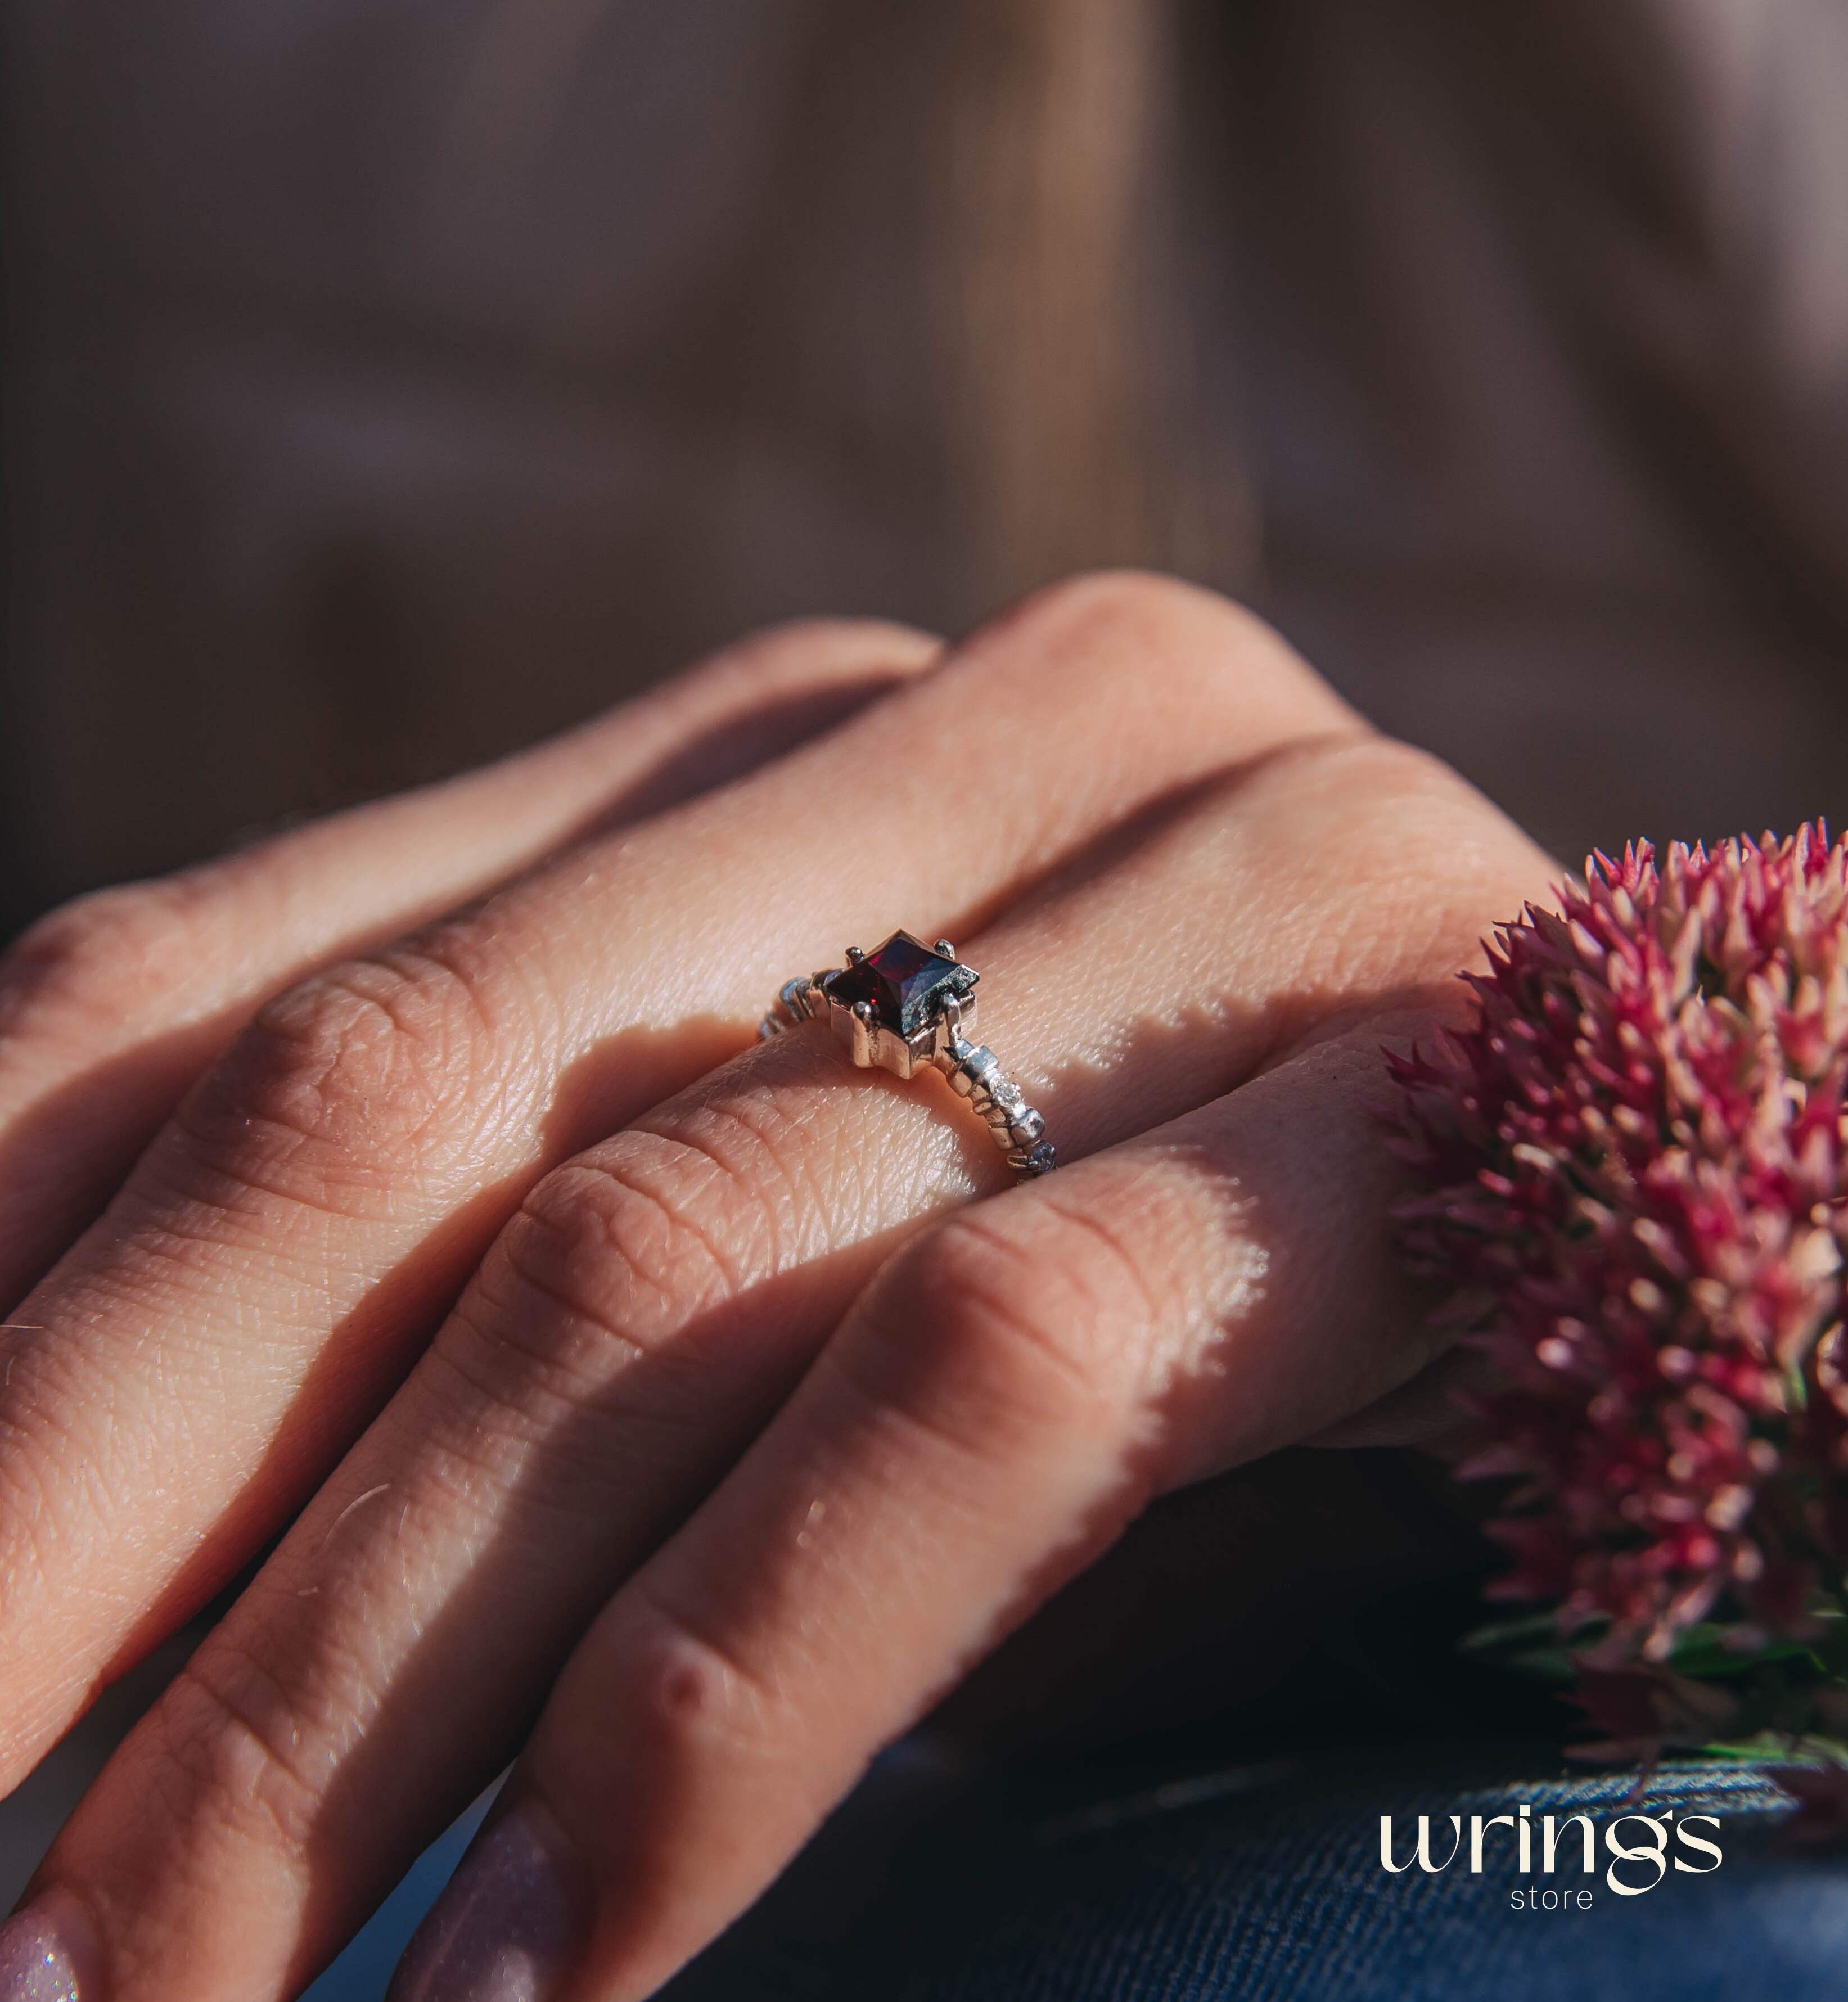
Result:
{"points": [[951, 1010], [945, 948], [864, 1033], [855, 957]]}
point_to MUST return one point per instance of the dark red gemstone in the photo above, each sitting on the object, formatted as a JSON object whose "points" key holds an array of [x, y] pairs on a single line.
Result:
{"points": [[904, 980]]}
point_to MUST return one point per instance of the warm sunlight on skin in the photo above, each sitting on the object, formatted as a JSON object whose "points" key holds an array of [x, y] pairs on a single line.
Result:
{"points": [[717, 1403]]}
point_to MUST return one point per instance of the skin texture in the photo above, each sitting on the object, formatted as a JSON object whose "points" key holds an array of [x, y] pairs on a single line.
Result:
{"points": [[716, 1404]]}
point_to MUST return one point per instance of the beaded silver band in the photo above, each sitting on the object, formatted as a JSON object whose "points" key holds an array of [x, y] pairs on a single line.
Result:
{"points": [[907, 1005]]}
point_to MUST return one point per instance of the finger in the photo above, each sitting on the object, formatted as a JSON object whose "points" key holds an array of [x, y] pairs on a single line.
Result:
{"points": [[286, 1245], [639, 1324], [110, 1008], [1015, 1388]]}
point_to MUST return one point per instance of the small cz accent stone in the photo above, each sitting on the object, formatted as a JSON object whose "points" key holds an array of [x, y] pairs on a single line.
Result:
{"points": [[904, 982]]}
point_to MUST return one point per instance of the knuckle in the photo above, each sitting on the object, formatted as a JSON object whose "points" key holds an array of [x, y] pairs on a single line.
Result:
{"points": [[1108, 627], [801, 647], [219, 1759], [1115, 598], [105, 953], [1103, 611], [381, 1063], [1427, 865], [612, 1255], [694, 1695], [1376, 784], [1379, 772], [1027, 1320]]}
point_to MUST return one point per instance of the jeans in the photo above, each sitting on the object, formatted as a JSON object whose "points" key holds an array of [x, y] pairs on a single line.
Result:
{"points": [[1261, 1879]]}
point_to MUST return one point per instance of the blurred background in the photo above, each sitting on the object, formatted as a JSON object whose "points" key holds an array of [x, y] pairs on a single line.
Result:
{"points": [[387, 382]]}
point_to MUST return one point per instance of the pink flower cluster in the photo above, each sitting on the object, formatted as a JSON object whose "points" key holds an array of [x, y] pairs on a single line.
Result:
{"points": [[1632, 1175]]}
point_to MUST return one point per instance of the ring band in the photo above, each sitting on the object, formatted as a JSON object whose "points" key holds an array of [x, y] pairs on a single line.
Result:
{"points": [[905, 1005]]}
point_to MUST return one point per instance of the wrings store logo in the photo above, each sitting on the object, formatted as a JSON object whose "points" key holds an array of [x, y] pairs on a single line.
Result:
{"points": [[1633, 1862]]}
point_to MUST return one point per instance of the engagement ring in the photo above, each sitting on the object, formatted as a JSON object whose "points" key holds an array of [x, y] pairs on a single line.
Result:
{"points": [[906, 1005]]}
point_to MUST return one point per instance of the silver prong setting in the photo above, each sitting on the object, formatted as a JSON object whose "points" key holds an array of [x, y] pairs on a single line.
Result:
{"points": [[865, 1034], [943, 1039]]}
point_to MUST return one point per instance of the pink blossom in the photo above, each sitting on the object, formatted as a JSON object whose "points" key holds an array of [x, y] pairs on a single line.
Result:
{"points": [[1631, 1174]]}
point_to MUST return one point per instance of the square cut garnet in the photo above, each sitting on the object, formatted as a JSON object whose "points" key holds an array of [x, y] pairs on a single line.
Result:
{"points": [[905, 979]]}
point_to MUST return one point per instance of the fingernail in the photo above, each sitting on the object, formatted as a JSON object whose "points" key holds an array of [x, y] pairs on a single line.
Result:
{"points": [[48, 1953], [507, 1926]]}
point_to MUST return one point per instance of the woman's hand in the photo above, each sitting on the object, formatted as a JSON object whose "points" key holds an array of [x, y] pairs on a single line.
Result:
{"points": [[715, 1404]]}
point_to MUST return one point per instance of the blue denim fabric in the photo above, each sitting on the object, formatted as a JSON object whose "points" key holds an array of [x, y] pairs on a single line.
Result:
{"points": [[1260, 1881], [1278, 1892]]}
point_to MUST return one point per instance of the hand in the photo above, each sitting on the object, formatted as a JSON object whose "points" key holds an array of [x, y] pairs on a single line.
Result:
{"points": [[714, 1404]]}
